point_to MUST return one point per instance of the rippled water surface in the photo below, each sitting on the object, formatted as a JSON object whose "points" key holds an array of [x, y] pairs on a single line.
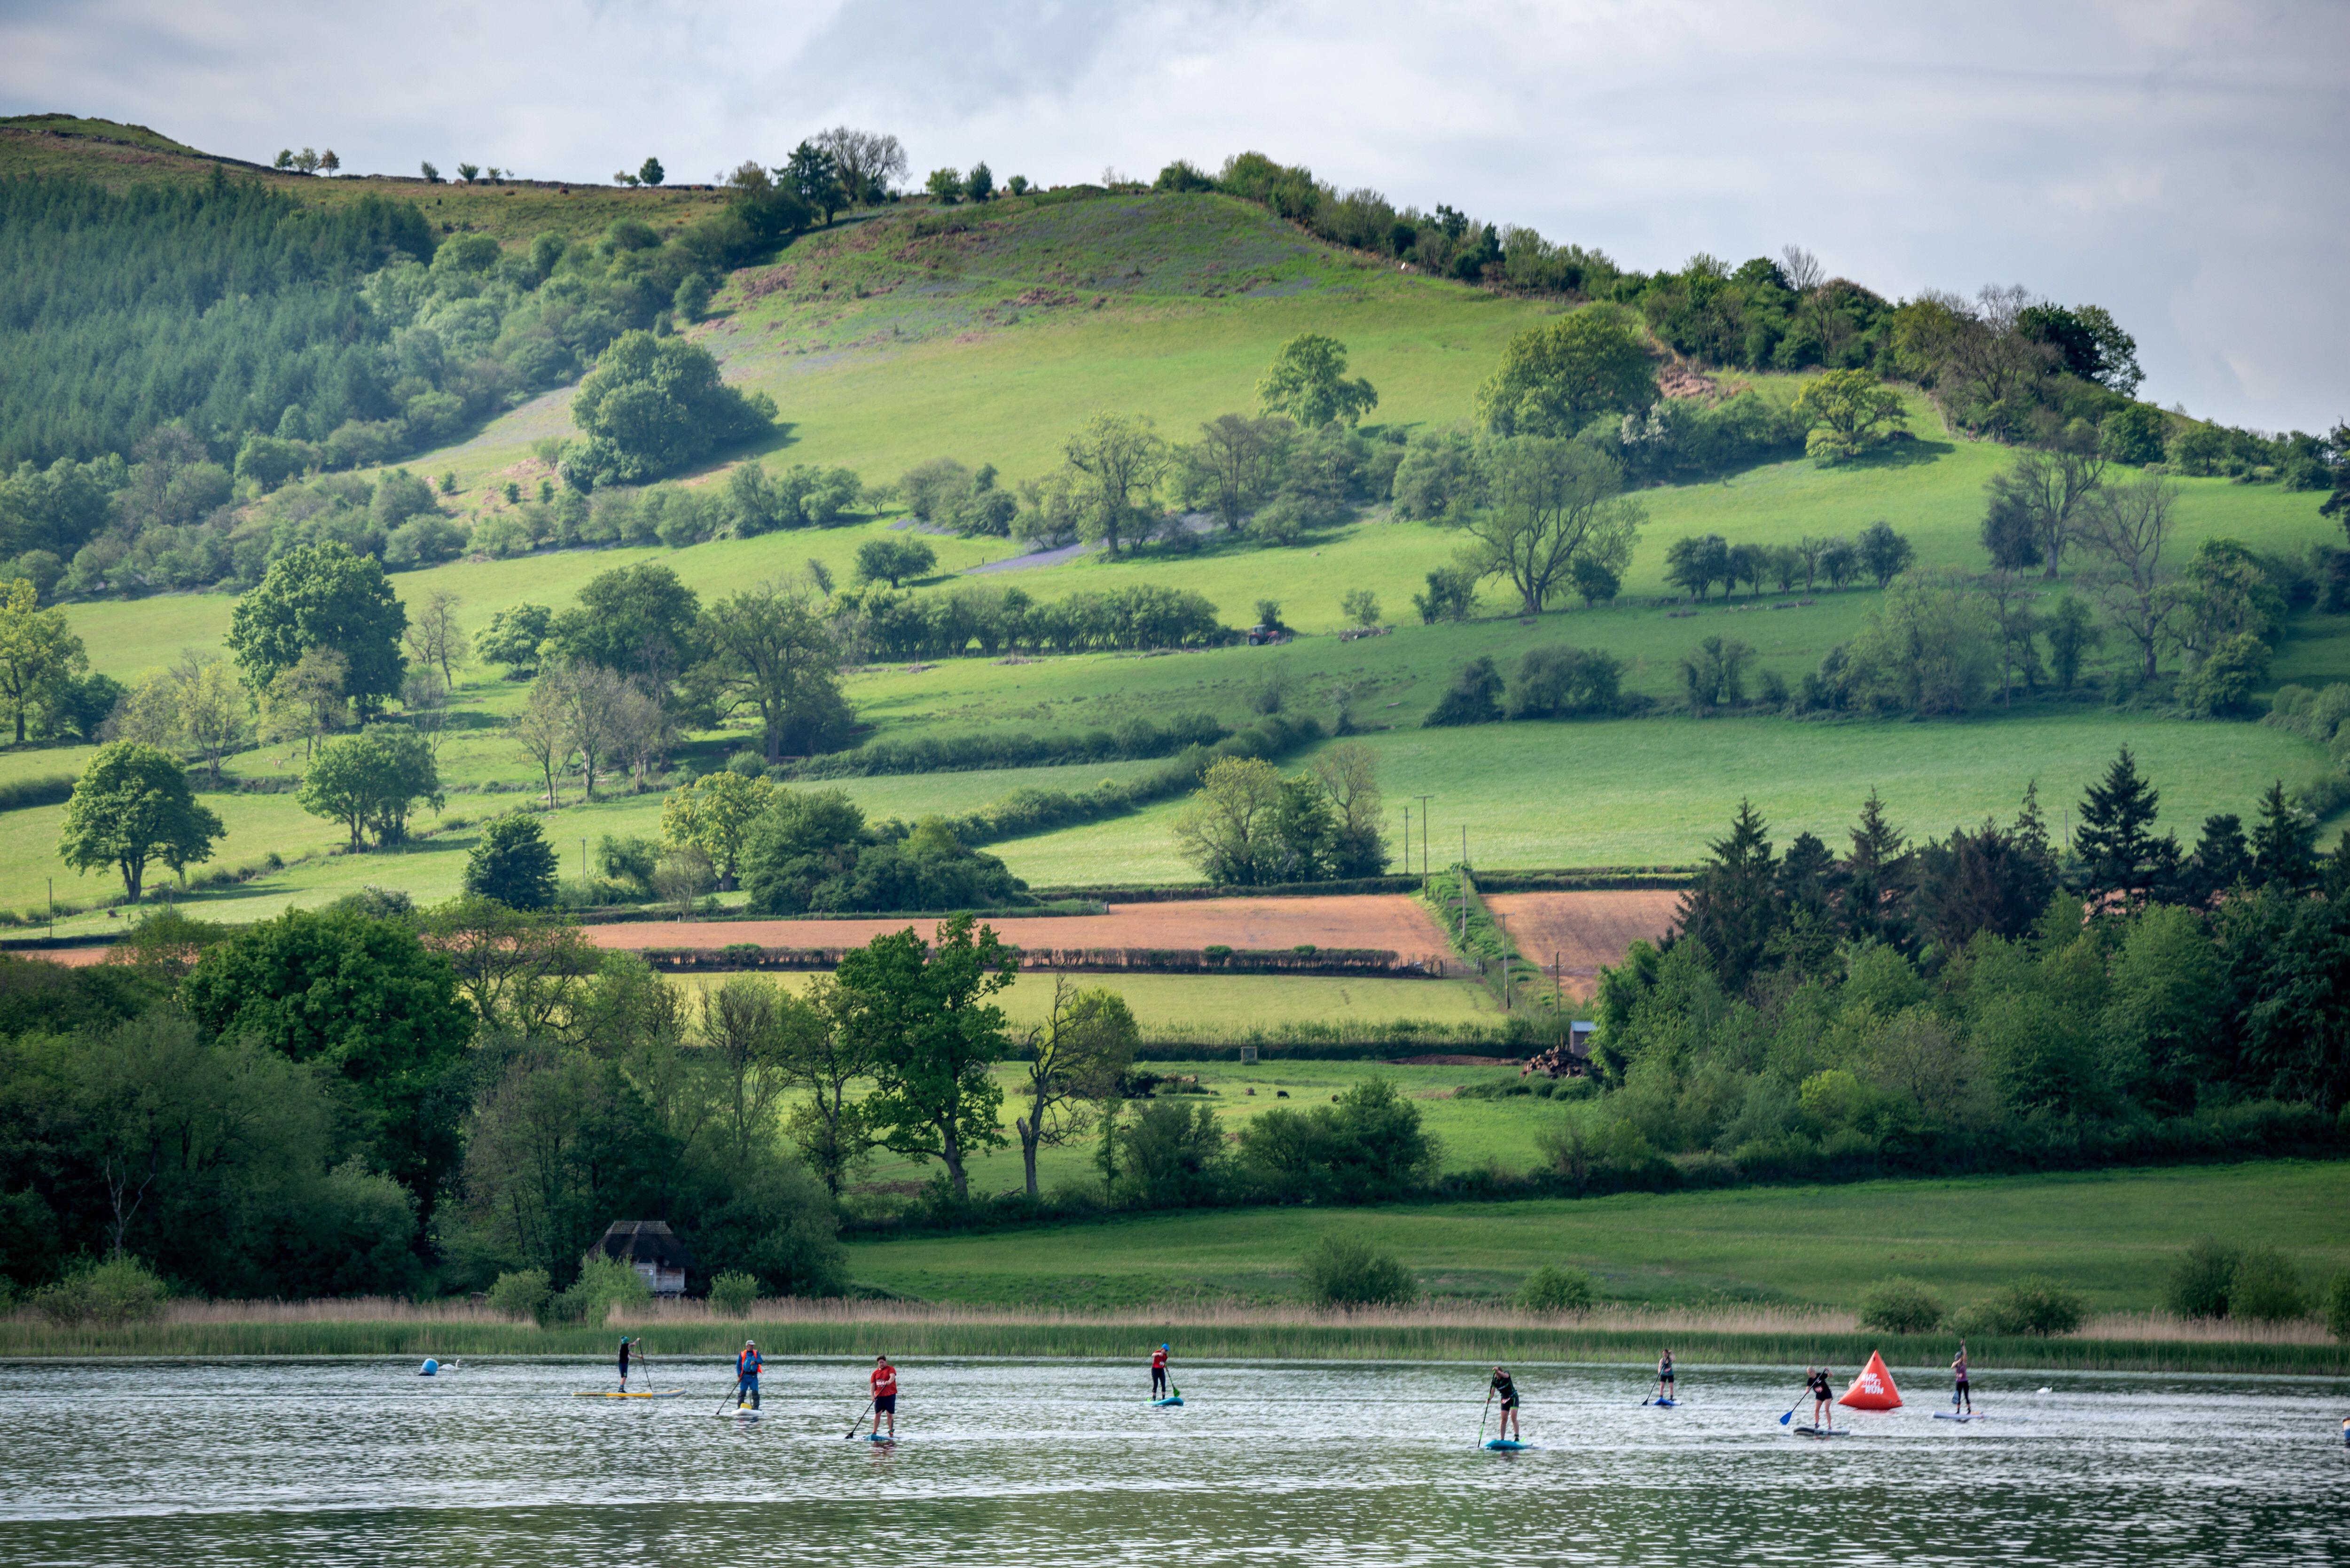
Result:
{"points": [[1066, 1464]]}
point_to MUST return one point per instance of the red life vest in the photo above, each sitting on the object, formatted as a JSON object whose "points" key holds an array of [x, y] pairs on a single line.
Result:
{"points": [[885, 1381]]}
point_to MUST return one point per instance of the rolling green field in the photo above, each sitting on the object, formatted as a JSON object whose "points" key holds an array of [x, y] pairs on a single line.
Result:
{"points": [[2110, 1236], [985, 334]]}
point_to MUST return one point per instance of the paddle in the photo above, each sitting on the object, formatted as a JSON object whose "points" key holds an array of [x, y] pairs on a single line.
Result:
{"points": [[857, 1423], [733, 1393], [1481, 1414]]}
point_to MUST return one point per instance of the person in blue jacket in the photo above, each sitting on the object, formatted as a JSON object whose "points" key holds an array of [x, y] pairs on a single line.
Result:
{"points": [[747, 1375]]}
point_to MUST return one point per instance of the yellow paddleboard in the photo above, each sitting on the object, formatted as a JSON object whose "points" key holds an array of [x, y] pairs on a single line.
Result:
{"points": [[607, 1394]]}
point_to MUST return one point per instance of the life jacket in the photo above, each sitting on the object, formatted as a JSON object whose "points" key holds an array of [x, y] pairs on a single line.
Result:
{"points": [[1157, 1359], [747, 1364], [885, 1381]]}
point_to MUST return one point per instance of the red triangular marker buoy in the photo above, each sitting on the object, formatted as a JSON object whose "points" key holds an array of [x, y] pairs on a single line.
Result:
{"points": [[1873, 1389]]}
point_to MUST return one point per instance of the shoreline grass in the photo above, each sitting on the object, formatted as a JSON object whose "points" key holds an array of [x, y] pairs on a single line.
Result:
{"points": [[1439, 1331]]}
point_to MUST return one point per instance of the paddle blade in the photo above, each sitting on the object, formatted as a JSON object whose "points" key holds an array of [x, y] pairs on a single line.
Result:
{"points": [[1787, 1418]]}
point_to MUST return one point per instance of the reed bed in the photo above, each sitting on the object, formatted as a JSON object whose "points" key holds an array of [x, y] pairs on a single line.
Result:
{"points": [[1742, 1335]]}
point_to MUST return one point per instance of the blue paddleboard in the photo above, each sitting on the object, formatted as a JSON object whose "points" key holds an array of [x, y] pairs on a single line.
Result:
{"points": [[1167, 1403], [1505, 1446]]}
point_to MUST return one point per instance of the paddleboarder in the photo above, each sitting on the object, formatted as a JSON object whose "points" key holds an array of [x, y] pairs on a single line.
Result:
{"points": [[747, 1375], [1822, 1397], [1962, 1399], [1665, 1376], [625, 1343], [885, 1396], [1509, 1430], [1159, 1373]]}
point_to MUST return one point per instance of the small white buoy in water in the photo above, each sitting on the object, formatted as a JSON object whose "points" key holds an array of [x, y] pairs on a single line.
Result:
{"points": [[2044, 1390], [430, 1367]]}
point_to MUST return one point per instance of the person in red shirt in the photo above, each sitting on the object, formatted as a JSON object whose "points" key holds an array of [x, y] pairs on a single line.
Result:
{"points": [[885, 1396], [1159, 1373]]}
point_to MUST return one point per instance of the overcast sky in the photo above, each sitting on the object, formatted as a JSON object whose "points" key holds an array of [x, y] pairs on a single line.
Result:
{"points": [[2184, 162]]}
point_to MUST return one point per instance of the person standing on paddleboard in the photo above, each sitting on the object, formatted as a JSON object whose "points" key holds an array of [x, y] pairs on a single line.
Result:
{"points": [[625, 1343], [747, 1375], [885, 1396], [1961, 1397], [1509, 1430], [1665, 1375], [1159, 1373], [1823, 1397]]}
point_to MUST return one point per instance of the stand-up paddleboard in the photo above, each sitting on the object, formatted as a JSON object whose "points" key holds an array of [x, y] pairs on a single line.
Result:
{"points": [[1171, 1402], [609, 1394], [878, 1438], [742, 1414], [1661, 1404], [1824, 1431], [1506, 1446], [1959, 1415]]}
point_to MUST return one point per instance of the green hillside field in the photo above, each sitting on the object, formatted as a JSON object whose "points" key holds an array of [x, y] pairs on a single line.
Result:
{"points": [[985, 335], [2111, 1236]]}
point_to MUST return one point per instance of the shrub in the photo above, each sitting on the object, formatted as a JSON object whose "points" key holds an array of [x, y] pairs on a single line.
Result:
{"points": [[1554, 1289], [118, 1291], [732, 1293], [2337, 1307], [2267, 1288], [2200, 1283], [1899, 1305], [1343, 1274], [521, 1294], [2031, 1306], [603, 1284]]}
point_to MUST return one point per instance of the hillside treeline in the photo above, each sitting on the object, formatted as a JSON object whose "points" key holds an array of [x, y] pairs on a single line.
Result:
{"points": [[2003, 363]]}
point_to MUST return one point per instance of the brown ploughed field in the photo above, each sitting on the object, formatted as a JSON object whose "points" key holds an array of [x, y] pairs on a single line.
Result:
{"points": [[1390, 922], [1582, 933]]}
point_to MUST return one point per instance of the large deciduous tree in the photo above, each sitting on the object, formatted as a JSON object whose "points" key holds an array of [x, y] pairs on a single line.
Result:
{"points": [[131, 805], [1549, 503], [1308, 381], [1074, 1054], [715, 815], [770, 650], [1224, 826], [39, 651], [323, 595], [934, 1033], [654, 405], [1554, 380], [370, 1005], [372, 781], [1115, 463]]}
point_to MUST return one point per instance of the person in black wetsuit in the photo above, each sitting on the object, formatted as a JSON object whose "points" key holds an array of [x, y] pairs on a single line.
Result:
{"points": [[1665, 1378], [625, 1343], [1962, 1398], [1508, 1390], [1822, 1397]]}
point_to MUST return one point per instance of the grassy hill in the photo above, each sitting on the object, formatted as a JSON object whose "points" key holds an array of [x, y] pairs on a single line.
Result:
{"points": [[987, 334]]}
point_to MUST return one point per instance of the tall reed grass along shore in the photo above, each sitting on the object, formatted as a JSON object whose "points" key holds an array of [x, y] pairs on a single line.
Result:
{"points": [[1435, 1332]]}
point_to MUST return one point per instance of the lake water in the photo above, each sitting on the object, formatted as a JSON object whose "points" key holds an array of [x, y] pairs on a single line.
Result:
{"points": [[349, 1462]]}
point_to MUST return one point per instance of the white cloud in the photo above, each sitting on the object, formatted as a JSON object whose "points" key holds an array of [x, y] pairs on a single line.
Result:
{"points": [[2178, 161]]}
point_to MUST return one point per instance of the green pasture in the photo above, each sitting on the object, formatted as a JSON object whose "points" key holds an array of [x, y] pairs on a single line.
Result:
{"points": [[1643, 792], [1476, 1134], [2110, 1235]]}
